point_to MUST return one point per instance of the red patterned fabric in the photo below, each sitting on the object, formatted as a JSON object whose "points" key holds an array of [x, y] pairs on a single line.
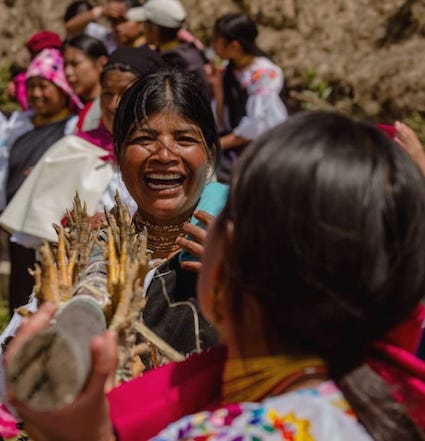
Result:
{"points": [[395, 361]]}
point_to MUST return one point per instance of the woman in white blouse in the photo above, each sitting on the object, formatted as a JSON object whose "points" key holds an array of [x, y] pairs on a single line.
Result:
{"points": [[247, 99]]}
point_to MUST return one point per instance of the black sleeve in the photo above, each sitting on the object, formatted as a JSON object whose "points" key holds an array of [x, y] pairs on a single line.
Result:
{"points": [[172, 310]]}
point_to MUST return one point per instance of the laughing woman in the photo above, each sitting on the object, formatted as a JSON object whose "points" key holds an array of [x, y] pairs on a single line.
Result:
{"points": [[166, 148], [166, 144]]}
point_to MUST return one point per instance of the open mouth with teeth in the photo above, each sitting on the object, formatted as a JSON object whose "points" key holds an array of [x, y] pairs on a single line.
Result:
{"points": [[164, 181]]}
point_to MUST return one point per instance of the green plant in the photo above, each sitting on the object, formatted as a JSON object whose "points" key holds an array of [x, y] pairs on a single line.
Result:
{"points": [[4, 313], [316, 92], [5, 77], [316, 85], [416, 121]]}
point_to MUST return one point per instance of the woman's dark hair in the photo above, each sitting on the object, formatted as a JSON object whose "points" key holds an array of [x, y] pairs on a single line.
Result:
{"points": [[141, 61], [329, 236], [90, 46], [166, 89], [76, 8], [131, 3], [167, 34], [239, 27]]}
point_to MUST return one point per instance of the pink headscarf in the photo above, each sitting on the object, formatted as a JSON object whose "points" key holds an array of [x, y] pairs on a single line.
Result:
{"points": [[49, 64]]}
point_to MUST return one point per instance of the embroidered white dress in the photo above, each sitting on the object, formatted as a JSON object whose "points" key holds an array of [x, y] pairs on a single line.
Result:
{"points": [[263, 82], [318, 414]]}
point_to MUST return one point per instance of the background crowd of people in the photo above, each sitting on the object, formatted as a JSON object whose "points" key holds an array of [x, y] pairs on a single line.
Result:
{"points": [[245, 97], [308, 268]]}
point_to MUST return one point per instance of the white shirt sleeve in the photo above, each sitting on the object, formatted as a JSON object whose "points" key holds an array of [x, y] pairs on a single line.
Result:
{"points": [[71, 125], [107, 199], [264, 107]]}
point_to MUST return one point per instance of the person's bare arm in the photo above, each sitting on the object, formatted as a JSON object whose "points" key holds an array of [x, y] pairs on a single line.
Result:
{"points": [[79, 22], [231, 141]]}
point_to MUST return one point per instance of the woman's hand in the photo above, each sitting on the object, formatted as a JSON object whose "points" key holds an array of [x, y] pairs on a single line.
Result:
{"points": [[214, 77], [98, 221], [195, 245], [409, 141], [87, 418], [114, 9]]}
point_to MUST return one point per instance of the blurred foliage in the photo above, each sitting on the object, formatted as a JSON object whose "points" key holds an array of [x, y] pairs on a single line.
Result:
{"points": [[5, 102], [316, 86], [310, 93], [315, 93], [416, 121], [4, 313]]}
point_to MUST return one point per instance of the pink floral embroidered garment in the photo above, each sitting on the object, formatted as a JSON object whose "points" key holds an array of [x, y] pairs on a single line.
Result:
{"points": [[318, 414]]}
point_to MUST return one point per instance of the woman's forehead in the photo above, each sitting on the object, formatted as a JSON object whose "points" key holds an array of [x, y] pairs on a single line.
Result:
{"points": [[72, 51], [117, 76], [36, 80], [169, 119]]}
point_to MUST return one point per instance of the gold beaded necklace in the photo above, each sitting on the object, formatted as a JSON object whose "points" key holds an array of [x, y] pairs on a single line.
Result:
{"points": [[161, 238]]}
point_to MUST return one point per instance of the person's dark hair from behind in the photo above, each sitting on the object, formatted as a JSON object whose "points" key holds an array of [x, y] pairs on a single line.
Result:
{"points": [[131, 3], [167, 89], [241, 28], [90, 46], [341, 256], [167, 34], [141, 61], [76, 8]]}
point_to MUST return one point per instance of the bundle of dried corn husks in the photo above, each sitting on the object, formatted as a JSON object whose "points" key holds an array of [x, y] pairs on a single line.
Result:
{"points": [[96, 278]]}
